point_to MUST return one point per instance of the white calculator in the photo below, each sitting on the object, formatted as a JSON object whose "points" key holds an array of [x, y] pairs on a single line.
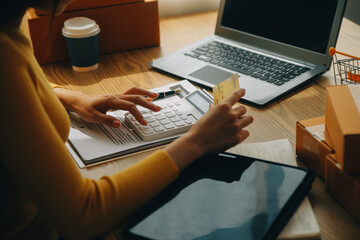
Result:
{"points": [[177, 116]]}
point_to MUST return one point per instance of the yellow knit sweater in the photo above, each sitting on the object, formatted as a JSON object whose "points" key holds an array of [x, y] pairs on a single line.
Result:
{"points": [[42, 192]]}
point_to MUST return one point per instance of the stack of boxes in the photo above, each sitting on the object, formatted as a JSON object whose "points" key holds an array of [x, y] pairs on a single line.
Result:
{"points": [[330, 145], [124, 24]]}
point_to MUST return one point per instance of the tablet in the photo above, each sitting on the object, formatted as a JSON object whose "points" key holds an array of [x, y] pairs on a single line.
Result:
{"points": [[225, 196]]}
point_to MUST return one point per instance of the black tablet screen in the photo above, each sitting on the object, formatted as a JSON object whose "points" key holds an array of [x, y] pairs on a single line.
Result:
{"points": [[223, 197]]}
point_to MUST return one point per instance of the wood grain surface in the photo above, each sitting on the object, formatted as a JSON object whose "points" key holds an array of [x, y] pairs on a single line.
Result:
{"points": [[120, 71]]}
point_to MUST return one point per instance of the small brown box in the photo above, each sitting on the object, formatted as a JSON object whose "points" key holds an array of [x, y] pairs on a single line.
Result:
{"points": [[342, 187], [311, 147], [86, 4], [342, 120], [122, 27]]}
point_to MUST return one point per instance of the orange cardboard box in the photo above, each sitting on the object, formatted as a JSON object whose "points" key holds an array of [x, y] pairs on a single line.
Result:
{"points": [[311, 147], [342, 187], [86, 4], [122, 27], [342, 120]]}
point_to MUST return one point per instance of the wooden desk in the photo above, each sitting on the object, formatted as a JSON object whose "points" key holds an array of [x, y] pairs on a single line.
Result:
{"points": [[120, 71]]}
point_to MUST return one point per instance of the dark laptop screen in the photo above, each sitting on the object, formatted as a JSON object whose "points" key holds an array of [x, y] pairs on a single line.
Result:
{"points": [[302, 23]]}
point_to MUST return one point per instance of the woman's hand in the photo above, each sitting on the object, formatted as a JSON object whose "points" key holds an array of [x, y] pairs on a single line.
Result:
{"points": [[93, 108], [219, 129]]}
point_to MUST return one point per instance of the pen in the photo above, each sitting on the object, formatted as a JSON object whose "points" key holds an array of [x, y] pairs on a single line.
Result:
{"points": [[168, 93], [207, 94]]}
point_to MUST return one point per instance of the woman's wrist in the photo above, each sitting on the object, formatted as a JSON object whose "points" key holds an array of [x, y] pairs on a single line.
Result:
{"points": [[68, 98], [184, 151]]}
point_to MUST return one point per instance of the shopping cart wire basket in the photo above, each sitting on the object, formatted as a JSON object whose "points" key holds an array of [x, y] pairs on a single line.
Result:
{"points": [[346, 69]]}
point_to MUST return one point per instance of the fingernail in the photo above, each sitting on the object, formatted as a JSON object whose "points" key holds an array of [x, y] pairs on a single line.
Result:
{"points": [[116, 124]]}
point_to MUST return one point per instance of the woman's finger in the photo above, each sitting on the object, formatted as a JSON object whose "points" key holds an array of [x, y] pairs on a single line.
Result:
{"points": [[235, 96], [244, 121], [102, 118], [123, 104], [140, 91], [131, 107], [139, 100], [240, 111]]}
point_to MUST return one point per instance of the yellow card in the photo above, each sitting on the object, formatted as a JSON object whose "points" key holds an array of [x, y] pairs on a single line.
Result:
{"points": [[225, 88]]}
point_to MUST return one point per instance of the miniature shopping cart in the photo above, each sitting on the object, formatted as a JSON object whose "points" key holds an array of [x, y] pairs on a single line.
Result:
{"points": [[346, 68]]}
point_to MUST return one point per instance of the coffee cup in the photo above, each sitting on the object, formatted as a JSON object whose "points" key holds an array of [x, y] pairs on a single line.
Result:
{"points": [[81, 34]]}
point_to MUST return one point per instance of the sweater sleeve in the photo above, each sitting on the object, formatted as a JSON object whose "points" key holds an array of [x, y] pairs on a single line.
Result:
{"points": [[53, 85], [35, 154]]}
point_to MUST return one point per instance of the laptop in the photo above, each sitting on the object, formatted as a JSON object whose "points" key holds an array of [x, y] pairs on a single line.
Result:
{"points": [[274, 46], [225, 196]]}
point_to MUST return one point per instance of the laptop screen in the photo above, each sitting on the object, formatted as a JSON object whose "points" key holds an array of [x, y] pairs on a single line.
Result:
{"points": [[302, 23]]}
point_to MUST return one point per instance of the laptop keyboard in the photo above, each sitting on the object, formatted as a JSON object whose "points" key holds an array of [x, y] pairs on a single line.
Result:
{"points": [[246, 62]]}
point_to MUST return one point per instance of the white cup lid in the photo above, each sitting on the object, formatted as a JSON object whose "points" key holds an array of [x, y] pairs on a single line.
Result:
{"points": [[80, 27]]}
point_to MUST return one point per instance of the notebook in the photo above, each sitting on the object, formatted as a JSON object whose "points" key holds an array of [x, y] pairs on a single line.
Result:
{"points": [[225, 196], [274, 46]]}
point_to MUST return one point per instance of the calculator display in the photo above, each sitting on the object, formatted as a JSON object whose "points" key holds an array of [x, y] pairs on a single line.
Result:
{"points": [[199, 101]]}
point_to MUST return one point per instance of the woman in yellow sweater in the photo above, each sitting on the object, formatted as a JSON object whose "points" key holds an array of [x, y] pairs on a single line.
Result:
{"points": [[42, 193]]}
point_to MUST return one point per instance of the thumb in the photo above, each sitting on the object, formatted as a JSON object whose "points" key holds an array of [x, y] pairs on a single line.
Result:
{"points": [[211, 105]]}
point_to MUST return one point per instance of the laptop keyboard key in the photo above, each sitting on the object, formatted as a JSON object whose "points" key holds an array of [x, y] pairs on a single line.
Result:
{"points": [[246, 62]]}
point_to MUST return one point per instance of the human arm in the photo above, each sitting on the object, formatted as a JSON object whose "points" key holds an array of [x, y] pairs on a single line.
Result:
{"points": [[219, 129], [34, 129], [93, 108], [77, 207]]}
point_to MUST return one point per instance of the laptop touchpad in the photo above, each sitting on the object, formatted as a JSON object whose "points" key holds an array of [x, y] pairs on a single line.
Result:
{"points": [[211, 74]]}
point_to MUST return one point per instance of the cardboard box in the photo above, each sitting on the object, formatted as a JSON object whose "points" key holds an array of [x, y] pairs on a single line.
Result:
{"points": [[342, 119], [123, 27], [344, 188], [87, 4], [311, 147]]}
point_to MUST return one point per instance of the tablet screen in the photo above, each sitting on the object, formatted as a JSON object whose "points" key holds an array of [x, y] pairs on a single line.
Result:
{"points": [[223, 197]]}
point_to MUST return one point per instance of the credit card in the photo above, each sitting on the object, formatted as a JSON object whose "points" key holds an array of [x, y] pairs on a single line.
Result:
{"points": [[225, 88]]}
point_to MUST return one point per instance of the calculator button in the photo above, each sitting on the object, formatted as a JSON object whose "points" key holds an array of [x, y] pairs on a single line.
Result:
{"points": [[175, 119], [170, 115], [156, 113], [160, 117], [150, 119], [165, 121], [142, 127], [190, 120], [146, 115], [148, 131], [179, 123], [162, 105], [166, 111], [169, 121], [159, 129], [169, 126], [154, 124], [183, 116]]}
